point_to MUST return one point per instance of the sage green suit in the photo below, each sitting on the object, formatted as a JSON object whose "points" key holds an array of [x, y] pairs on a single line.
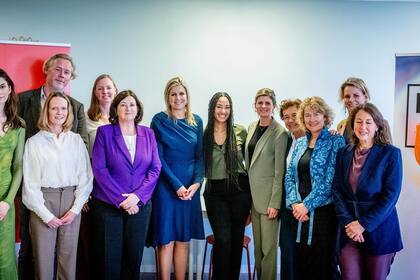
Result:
{"points": [[265, 171]]}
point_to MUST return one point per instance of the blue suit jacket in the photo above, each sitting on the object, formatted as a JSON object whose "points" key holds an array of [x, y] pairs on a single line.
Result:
{"points": [[114, 171], [373, 204]]}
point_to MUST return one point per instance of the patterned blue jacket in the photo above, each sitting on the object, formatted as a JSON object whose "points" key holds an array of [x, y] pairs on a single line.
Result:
{"points": [[322, 168]]}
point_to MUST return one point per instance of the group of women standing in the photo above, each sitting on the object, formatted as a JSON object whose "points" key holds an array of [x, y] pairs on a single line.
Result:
{"points": [[139, 185]]}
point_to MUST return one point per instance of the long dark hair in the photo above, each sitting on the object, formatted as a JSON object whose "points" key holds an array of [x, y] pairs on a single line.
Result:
{"points": [[381, 135], [231, 160], [10, 107]]}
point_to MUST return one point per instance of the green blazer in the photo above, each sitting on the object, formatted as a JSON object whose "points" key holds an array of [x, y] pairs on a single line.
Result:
{"points": [[267, 166]]}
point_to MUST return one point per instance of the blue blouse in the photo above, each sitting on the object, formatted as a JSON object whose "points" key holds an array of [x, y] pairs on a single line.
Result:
{"points": [[322, 168]]}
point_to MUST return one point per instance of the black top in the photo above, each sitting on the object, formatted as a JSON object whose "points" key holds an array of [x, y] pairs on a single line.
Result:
{"points": [[259, 131], [305, 185]]}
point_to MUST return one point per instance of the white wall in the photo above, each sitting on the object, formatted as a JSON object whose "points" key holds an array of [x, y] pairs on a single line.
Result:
{"points": [[298, 48]]}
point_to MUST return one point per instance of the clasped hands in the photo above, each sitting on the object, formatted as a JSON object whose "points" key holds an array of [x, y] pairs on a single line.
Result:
{"points": [[130, 204], [300, 212], [187, 194], [67, 219], [354, 231]]}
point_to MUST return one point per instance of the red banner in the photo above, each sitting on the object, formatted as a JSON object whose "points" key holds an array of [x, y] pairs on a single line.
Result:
{"points": [[23, 62]]}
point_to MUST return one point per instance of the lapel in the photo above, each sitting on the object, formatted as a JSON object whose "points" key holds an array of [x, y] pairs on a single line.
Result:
{"points": [[366, 169], [347, 162], [119, 139], [251, 132], [289, 143], [263, 141], [140, 146], [36, 104], [300, 148]]}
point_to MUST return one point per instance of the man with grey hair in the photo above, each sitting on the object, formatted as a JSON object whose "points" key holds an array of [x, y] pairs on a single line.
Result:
{"points": [[59, 69]]}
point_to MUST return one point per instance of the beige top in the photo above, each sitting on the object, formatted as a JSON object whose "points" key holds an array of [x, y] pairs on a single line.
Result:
{"points": [[341, 126], [91, 127]]}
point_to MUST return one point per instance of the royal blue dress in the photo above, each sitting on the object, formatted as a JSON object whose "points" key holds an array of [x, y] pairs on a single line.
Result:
{"points": [[181, 153]]}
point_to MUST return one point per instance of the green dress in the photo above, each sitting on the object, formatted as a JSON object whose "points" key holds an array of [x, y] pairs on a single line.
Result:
{"points": [[11, 152]]}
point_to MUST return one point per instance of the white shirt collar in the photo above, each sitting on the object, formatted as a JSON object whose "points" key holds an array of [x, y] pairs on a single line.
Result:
{"points": [[43, 97]]}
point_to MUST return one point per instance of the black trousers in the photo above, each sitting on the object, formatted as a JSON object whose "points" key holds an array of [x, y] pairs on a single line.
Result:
{"points": [[287, 244], [227, 212], [317, 261], [85, 246], [119, 240], [26, 270]]}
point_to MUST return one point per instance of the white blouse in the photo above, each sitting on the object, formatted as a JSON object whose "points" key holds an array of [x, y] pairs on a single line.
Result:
{"points": [[130, 142], [54, 162]]}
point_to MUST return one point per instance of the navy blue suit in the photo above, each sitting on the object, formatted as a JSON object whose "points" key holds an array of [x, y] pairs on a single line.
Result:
{"points": [[373, 204]]}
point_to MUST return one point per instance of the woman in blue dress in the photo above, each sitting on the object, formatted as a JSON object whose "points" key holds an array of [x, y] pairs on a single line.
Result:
{"points": [[176, 216]]}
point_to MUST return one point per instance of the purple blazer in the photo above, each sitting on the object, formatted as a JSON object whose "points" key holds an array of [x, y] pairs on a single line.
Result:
{"points": [[114, 172]]}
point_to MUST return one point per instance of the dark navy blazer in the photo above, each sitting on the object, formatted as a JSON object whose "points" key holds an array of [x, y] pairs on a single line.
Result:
{"points": [[373, 204]]}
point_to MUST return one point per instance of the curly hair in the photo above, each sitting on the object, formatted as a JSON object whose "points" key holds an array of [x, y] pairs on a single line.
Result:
{"points": [[319, 105]]}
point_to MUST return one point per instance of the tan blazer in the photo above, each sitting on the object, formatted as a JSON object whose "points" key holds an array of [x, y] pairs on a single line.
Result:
{"points": [[267, 166]]}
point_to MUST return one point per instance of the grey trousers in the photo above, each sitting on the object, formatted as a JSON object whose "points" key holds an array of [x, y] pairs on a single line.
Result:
{"points": [[60, 243], [266, 236]]}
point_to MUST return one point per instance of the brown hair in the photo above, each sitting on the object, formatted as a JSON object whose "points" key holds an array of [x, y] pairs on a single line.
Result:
{"points": [[48, 63], [94, 111], [266, 92], [287, 103], [113, 115], [354, 82], [319, 105], [43, 122], [10, 107], [178, 81], [381, 135]]}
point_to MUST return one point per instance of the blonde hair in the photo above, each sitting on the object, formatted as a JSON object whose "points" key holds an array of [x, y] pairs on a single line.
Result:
{"points": [[354, 82], [48, 63], [94, 111], [43, 121], [319, 105], [178, 81]]}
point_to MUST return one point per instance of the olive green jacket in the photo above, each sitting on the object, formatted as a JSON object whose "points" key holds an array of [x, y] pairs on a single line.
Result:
{"points": [[267, 166]]}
